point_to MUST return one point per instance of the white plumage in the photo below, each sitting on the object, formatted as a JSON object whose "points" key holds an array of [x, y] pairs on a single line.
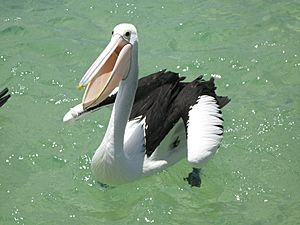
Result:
{"points": [[204, 134]]}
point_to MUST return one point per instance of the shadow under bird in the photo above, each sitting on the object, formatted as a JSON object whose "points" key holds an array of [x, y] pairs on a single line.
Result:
{"points": [[4, 96], [156, 120]]}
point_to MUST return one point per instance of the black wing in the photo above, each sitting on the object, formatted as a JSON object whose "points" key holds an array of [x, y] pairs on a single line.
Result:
{"points": [[168, 100], [4, 96], [155, 102]]}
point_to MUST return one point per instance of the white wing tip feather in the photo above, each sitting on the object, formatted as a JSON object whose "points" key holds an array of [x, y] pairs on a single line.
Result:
{"points": [[204, 132]]}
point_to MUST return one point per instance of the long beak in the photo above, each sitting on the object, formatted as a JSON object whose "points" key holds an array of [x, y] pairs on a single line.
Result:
{"points": [[106, 72]]}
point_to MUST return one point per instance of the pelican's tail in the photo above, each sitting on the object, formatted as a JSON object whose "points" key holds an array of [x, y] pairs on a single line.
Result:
{"points": [[222, 101]]}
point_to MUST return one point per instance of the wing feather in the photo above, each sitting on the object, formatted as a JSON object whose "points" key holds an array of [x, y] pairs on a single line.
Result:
{"points": [[204, 130]]}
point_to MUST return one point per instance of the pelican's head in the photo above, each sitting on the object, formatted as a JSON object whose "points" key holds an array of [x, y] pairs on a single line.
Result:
{"points": [[126, 31], [111, 67]]}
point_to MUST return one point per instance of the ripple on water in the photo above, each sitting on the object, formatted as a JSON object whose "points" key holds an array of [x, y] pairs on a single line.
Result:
{"points": [[128, 9], [22, 77], [13, 30], [60, 99], [249, 190], [85, 171], [33, 158], [17, 216], [57, 151]]}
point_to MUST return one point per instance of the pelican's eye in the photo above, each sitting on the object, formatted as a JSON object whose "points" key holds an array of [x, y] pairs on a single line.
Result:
{"points": [[112, 33], [127, 34]]}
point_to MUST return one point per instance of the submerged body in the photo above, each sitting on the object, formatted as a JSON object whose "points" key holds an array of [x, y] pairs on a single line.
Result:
{"points": [[156, 121]]}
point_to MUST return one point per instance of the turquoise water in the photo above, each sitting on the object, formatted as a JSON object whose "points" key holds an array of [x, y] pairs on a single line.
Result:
{"points": [[253, 47]]}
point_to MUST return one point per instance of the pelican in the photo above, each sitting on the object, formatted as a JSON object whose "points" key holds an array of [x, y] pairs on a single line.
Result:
{"points": [[155, 122], [4, 96]]}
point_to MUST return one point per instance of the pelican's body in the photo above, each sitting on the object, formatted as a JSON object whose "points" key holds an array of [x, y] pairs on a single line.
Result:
{"points": [[155, 122]]}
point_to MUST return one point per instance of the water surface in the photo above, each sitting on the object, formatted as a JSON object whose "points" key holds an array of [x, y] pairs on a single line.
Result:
{"points": [[251, 47]]}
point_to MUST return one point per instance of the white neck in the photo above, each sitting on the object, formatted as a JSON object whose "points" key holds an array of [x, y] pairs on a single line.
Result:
{"points": [[111, 149]]}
